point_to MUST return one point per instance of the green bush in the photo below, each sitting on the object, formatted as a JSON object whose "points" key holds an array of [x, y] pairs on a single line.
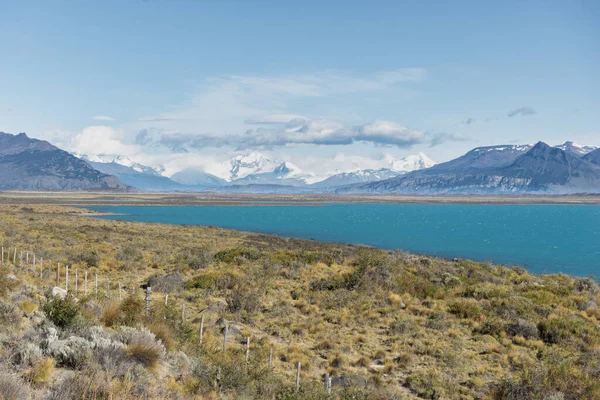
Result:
{"points": [[63, 312], [465, 308]]}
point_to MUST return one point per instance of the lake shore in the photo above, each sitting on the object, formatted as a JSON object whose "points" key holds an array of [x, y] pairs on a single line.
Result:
{"points": [[181, 199]]}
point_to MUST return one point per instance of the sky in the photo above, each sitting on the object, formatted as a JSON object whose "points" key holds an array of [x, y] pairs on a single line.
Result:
{"points": [[328, 85]]}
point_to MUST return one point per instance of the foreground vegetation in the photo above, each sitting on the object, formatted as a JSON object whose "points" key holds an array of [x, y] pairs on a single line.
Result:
{"points": [[381, 324]]}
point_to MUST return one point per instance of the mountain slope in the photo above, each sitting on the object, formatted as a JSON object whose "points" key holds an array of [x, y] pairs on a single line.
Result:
{"points": [[149, 181], [498, 169], [593, 157], [360, 176], [31, 164], [197, 177], [285, 173]]}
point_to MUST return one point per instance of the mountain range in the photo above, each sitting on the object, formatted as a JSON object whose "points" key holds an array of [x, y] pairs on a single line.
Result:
{"points": [[31, 164], [517, 169]]}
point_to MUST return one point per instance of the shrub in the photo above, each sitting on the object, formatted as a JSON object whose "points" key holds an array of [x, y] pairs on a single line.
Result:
{"points": [[164, 334], [243, 299], [11, 388], [402, 325], [9, 314], [41, 371], [465, 308], [522, 327], [143, 347], [28, 306], [63, 312], [6, 284]]}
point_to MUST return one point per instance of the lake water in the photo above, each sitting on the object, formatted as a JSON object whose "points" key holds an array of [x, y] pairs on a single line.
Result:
{"points": [[543, 238]]}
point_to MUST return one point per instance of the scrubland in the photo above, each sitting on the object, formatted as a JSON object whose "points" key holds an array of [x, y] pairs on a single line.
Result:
{"points": [[381, 324]]}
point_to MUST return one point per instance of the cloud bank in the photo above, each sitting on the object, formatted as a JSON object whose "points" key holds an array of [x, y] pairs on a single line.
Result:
{"points": [[522, 111]]}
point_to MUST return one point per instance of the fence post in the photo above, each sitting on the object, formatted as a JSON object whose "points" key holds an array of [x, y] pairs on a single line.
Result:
{"points": [[108, 289], [41, 267], [201, 327], [182, 313], [299, 366], [96, 285], [120, 294], [270, 358], [76, 282], [57, 274], [225, 339], [247, 351], [85, 283], [3, 255], [148, 292], [327, 383], [15, 258], [67, 278]]}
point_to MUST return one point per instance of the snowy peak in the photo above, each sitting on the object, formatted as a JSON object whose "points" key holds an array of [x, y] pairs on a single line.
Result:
{"points": [[120, 160], [576, 148], [249, 163], [412, 163], [287, 169]]}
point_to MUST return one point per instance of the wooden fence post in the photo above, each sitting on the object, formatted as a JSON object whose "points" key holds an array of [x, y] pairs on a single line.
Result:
{"points": [[148, 293], [182, 313], [120, 294], [41, 267], [96, 285], [85, 282], [57, 274], [76, 282], [327, 381], [67, 278], [201, 327], [225, 339], [298, 367], [15, 258], [270, 358], [247, 351], [3, 255]]}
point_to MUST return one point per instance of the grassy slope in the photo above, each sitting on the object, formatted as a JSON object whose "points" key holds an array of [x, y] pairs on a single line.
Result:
{"points": [[410, 326]]}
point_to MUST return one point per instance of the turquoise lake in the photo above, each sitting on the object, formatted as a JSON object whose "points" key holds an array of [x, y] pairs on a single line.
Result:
{"points": [[542, 238]]}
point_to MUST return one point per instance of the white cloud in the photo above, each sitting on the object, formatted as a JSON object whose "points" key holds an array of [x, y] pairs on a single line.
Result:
{"points": [[522, 111], [101, 140], [102, 118]]}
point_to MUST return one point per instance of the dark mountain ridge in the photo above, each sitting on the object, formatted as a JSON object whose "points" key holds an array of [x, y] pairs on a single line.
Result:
{"points": [[32, 164]]}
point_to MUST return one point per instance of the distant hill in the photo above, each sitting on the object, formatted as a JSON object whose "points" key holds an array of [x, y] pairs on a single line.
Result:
{"points": [[31, 164], [498, 169]]}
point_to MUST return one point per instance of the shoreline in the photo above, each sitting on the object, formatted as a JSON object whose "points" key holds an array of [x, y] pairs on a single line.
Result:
{"points": [[83, 199]]}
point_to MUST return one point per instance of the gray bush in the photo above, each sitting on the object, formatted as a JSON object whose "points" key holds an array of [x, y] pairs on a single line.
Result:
{"points": [[11, 388]]}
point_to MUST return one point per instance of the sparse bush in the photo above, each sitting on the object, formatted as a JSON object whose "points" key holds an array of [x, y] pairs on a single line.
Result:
{"points": [[9, 314], [465, 308], [522, 327], [243, 299], [143, 347], [164, 334], [11, 388]]}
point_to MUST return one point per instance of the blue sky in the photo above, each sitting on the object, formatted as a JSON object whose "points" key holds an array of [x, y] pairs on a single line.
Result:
{"points": [[186, 82]]}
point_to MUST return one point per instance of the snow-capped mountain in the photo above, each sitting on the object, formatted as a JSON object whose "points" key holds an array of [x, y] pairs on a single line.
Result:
{"points": [[248, 163], [396, 167], [360, 176], [411, 163], [120, 160], [576, 149], [285, 173]]}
